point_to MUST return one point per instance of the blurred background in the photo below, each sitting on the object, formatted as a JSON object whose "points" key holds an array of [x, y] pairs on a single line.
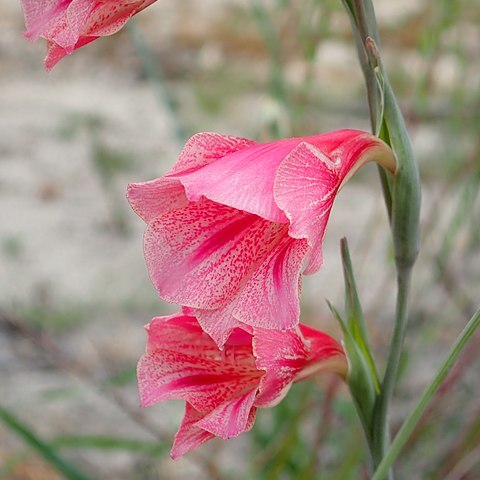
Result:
{"points": [[74, 292]]}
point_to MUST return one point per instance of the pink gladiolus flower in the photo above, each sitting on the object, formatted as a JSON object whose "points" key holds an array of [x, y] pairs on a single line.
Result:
{"points": [[71, 24], [223, 389], [234, 224]]}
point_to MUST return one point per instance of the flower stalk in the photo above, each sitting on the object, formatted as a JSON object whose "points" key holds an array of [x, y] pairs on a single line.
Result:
{"points": [[402, 197], [412, 420]]}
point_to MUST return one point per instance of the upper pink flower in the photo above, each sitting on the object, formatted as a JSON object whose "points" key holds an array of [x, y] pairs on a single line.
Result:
{"points": [[223, 389], [71, 24], [231, 226]]}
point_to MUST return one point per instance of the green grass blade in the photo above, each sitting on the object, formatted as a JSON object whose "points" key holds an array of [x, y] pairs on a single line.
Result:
{"points": [[409, 425], [42, 448]]}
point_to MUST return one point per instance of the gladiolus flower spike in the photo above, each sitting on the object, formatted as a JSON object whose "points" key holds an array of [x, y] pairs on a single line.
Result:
{"points": [[234, 224], [223, 388], [71, 24]]}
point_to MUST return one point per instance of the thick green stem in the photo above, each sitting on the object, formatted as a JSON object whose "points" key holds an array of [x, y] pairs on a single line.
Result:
{"points": [[414, 417], [381, 432], [402, 197]]}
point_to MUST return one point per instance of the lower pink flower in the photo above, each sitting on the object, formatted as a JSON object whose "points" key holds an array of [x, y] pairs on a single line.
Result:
{"points": [[71, 24], [223, 388]]}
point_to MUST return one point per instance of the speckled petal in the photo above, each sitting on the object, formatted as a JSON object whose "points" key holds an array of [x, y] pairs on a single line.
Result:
{"points": [[111, 15], [231, 418], [183, 362], [155, 197], [189, 435], [204, 148], [325, 354], [292, 355], [41, 14], [305, 189], [243, 180], [71, 24], [270, 299], [200, 255], [218, 323], [282, 355], [309, 178]]}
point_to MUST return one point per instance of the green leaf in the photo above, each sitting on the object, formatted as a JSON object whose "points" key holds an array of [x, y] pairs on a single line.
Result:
{"points": [[359, 378], [354, 313]]}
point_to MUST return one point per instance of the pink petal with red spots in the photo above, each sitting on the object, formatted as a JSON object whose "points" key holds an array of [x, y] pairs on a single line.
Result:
{"points": [[183, 362], [40, 14], [305, 189], [189, 435], [282, 355], [243, 180], [291, 355], [67, 29], [71, 24], [204, 148], [231, 418], [218, 323], [325, 354], [309, 178], [111, 15], [320, 345], [200, 255], [222, 388], [270, 298], [155, 197]]}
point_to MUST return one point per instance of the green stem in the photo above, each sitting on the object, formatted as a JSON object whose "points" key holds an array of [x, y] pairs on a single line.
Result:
{"points": [[402, 197], [412, 420], [380, 418]]}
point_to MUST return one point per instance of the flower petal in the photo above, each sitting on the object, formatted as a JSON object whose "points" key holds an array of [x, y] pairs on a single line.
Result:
{"points": [[325, 354], [68, 28], [305, 188], [231, 418], [179, 331], [71, 24], [309, 178], [270, 299], [110, 16], [55, 52], [183, 362], [282, 355], [155, 197], [292, 355], [40, 14], [189, 435], [151, 199], [204, 148], [198, 256], [218, 323], [243, 180]]}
